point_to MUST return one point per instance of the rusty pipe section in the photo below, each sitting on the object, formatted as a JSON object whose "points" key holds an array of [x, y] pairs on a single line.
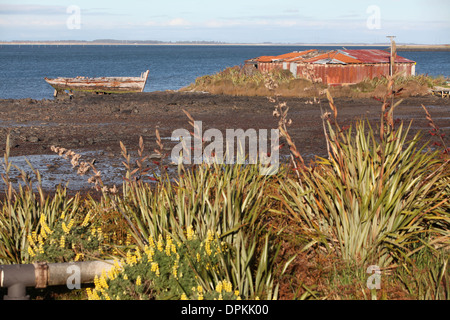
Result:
{"points": [[18, 277]]}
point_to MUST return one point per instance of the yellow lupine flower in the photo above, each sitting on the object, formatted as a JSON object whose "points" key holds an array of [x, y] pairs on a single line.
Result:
{"points": [[151, 242], [227, 286], [170, 246], [79, 256], [160, 243], [70, 225], [117, 265], [130, 259], [62, 242], [138, 281], [184, 297], [103, 282], [64, 227], [219, 286], [86, 219], [43, 233], [31, 241], [209, 239], [208, 248], [138, 254], [99, 233], [44, 225], [41, 240], [128, 240], [175, 270], [97, 282], [155, 268], [150, 253], [31, 252], [190, 233]]}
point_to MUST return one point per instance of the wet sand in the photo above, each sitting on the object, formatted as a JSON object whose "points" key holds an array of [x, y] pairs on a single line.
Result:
{"points": [[93, 125]]}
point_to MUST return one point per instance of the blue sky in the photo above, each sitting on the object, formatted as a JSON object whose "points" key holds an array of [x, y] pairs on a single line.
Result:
{"points": [[244, 21]]}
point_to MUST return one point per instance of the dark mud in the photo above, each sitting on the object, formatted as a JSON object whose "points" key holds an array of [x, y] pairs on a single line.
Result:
{"points": [[95, 124]]}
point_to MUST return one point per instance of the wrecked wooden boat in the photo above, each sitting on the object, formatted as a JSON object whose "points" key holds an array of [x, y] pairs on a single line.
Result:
{"points": [[102, 85]]}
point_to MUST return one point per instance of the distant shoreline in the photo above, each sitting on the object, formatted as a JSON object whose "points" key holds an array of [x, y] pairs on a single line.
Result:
{"points": [[400, 47]]}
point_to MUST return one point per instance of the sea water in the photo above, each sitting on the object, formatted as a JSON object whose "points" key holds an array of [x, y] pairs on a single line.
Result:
{"points": [[23, 67]]}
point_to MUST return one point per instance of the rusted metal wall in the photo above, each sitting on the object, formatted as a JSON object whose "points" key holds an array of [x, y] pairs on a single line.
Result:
{"points": [[269, 66], [350, 73]]}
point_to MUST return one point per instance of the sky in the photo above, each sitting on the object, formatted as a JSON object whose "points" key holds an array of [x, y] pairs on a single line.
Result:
{"points": [[236, 21]]}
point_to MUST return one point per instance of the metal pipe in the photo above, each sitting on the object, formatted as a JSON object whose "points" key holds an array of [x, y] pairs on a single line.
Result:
{"points": [[40, 275], [58, 273], [16, 278]]}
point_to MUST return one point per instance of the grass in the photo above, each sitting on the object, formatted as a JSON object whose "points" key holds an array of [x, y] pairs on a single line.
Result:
{"points": [[241, 81], [226, 232]]}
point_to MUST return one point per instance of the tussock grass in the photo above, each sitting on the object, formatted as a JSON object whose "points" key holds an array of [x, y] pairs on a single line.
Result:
{"points": [[241, 81]]}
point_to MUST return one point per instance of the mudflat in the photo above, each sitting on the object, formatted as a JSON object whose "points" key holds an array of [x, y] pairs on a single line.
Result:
{"points": [[93, 125]]}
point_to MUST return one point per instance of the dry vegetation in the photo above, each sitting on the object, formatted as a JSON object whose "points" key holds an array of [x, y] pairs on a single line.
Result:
{"points": [[244, 81]]}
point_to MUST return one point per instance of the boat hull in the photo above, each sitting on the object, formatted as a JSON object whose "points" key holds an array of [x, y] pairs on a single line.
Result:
{"points": [[100, 85]]}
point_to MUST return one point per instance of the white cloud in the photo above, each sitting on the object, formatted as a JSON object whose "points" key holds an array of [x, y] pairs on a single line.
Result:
{"points": [[178, 22]]}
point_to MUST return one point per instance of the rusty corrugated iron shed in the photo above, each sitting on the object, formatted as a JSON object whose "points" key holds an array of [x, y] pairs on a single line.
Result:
{"points": [[335, 67]]}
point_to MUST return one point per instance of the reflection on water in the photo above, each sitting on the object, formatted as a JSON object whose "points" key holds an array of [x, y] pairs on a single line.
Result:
{"points": [[55, 170]]}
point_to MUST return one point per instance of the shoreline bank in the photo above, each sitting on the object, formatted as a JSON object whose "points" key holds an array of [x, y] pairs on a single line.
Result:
{"points": [[95, 125]]}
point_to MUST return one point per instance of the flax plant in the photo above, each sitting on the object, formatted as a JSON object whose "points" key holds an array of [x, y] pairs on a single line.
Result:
{"points": [[22, 209], [228, 200], [375, 195]]}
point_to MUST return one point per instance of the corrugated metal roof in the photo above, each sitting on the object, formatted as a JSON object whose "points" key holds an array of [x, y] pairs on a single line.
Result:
{"points": [[333, 57], [285, 57], [265, 58], [293, 55], [374, 56], [303, 55], [354, 56]]}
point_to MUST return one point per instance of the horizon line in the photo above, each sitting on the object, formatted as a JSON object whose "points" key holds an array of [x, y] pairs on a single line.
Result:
{"points": [[205, 42]]}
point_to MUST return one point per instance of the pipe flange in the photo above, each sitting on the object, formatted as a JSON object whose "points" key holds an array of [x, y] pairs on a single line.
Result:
{"points": [[41, 274]]}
